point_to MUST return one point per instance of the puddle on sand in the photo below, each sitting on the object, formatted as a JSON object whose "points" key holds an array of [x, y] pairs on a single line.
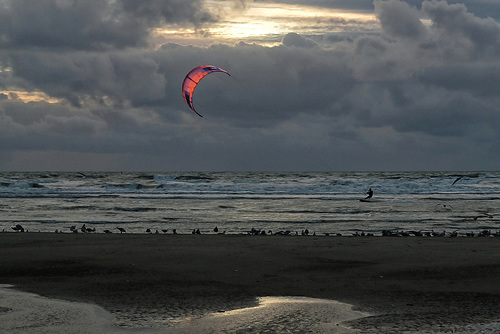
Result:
{"points": [[277, 315], [28, 313]]}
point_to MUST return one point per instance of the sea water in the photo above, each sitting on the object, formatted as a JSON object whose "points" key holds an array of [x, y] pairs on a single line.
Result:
{"points": [[323, 203]]}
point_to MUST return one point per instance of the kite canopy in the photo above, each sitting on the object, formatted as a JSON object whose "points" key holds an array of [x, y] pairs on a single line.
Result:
{"points": [[191, 81]]}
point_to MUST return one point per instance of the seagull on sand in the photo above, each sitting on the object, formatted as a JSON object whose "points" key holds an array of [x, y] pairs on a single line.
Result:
{"points": [[437, 234], [121, 229]]}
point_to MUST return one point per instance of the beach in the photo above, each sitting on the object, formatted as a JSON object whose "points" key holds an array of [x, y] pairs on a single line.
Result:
{"points": [[402, 284]]}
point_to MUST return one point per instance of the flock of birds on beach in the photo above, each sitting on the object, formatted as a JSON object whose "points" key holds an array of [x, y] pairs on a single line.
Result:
{"points": [[254, 231]]}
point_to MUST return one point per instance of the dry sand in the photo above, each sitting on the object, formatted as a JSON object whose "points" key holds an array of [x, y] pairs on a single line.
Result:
{"points": [[408, 284]]}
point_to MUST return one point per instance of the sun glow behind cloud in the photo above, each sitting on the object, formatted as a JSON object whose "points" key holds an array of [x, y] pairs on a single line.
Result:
{"points": [[25, 97], [267, 23]]}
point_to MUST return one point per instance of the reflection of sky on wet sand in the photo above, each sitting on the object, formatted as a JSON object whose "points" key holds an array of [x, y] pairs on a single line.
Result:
{"points": [[277, 315], [27, 313]]}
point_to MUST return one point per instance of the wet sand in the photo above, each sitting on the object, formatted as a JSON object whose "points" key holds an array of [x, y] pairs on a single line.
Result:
{"points": [[406, 284], [27, 313]]}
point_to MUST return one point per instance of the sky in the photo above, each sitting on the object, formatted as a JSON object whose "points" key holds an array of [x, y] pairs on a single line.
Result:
{"points": [[332, 85]]}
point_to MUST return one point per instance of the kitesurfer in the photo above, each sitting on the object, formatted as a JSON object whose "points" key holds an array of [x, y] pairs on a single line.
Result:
{"points": [[369, 193]]}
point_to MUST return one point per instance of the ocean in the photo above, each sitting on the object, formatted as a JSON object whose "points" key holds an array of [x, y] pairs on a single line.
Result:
{"points": [[320, 203]]}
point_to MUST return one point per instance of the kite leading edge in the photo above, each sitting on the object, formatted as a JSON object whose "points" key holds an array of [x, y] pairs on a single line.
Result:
{"points": [[191, 81]]}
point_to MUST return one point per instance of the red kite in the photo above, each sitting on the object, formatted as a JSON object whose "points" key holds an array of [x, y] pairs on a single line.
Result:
{"points": [[191, 81]]}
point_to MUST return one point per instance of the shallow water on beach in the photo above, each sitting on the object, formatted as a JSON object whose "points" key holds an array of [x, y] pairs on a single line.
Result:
{"points": [[26, 313], [277, 315], [237, 202]]}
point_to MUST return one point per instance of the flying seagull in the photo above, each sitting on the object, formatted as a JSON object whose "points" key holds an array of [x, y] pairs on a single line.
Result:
{"points": [[458, 179]]}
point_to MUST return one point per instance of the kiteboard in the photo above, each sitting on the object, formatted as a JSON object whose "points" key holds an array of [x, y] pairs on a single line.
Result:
{"points": [[369, 200]]}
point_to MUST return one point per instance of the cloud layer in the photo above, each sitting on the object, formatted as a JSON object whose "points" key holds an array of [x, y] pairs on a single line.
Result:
{"points": [[421, 93]]}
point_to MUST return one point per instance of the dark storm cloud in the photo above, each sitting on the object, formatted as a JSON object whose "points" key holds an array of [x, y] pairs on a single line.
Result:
{"points": [[482, 80], [454, 24], [399, 20], [481, 8], [293, 39], [156, 11], [90, 24], [416, 95], [267, 85], [407, 46], [118, 76]]}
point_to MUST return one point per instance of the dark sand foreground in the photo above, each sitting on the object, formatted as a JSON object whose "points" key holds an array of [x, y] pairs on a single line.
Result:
{"points": [[425, 284]]}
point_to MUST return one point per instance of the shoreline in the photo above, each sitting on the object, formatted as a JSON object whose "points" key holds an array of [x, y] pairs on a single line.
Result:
{"points": [[405, 283]]}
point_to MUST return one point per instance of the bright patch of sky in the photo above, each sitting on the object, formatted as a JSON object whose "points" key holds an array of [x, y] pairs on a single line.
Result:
{"points": [[27, 96], [267, 23]]}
